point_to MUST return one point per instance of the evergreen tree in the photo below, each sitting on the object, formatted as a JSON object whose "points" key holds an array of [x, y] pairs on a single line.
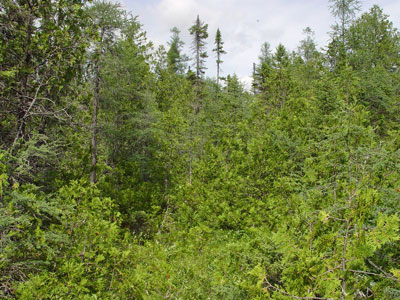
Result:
{"points": [[176, 60], [265, 56], [262, 69], [200, 34], [307, 49], [307, 63], [344, 11], [275, 77], [219, 51], [374, 53]]}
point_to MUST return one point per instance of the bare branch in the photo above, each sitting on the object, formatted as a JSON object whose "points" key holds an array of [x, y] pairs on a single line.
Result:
{"points": [[374, 274], [292, 296], [386, 274]]}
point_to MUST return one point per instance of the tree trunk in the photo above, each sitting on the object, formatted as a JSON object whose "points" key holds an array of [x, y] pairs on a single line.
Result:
{"points": [[218, 56], [218, 71], [197, 78], [21, 122], [94, 127]]}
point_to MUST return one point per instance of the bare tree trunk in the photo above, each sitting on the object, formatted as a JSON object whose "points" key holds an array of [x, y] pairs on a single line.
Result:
{"points": [[94, 127], [197, 79], [197, 108], [218, 58], [218, 70], [96, 102]]}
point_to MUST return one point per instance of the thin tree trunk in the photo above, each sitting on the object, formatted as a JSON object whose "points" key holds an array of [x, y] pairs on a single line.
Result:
{"points": [[94, 127], [218, 71], [254, 78], [190, 169], [218, 57], [96, 102], [344, 268], [21, 123], [197, 78], [197, 108]]}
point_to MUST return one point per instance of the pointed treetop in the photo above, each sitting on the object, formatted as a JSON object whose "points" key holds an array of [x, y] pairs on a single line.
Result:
{"points": [[200, 34], [266, 56], [176, 60], [219, 50]]}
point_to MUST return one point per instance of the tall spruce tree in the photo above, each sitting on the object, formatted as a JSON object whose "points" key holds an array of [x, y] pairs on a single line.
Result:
{"points": [[219, 51], [176, 60], [262, 69], [266, 54], [200, 34]]}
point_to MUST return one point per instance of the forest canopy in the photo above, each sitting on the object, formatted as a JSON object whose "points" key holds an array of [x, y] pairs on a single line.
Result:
{"points": [[127, 173]]}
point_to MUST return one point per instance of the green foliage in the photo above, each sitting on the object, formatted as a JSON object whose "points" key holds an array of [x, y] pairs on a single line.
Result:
{"points": [[200, 34], [69, 243], [176, 60], [290, 192], [33, 92], [344, 11], [375, 45], [219, 51]]}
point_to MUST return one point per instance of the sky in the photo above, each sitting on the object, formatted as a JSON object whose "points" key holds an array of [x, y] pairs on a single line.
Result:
{"points": [[244, 25]]}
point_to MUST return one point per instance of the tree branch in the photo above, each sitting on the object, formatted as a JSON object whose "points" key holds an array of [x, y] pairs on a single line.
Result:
{"points": [[388, 276], [293, 296]]}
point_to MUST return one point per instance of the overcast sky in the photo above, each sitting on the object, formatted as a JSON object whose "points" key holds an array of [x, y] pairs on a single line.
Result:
{"points": [[244, 25]]}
